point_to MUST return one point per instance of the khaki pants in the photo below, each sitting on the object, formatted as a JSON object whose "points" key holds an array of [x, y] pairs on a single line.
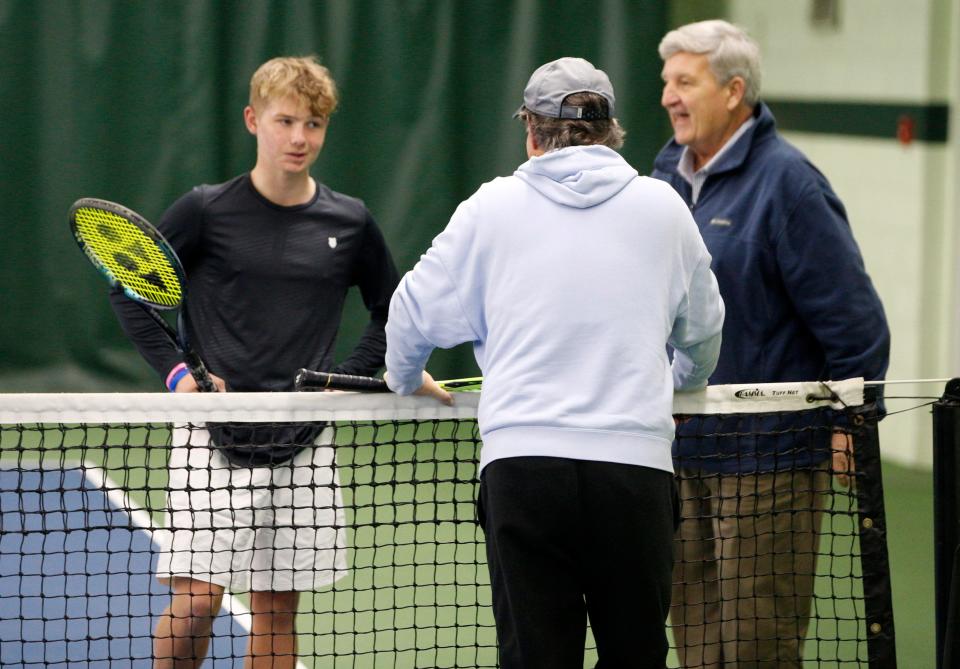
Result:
{"points": [[746, 555]]}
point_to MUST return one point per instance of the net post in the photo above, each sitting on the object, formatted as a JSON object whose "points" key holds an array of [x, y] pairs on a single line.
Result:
{"points": [[878, 600], [946, 523]]}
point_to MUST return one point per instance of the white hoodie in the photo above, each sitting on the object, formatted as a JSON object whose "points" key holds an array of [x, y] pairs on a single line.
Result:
{"points": [[570, 277]]}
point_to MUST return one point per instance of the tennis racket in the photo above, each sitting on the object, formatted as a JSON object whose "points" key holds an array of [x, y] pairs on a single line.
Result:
{"points": [[308, 379], [132, 254]]}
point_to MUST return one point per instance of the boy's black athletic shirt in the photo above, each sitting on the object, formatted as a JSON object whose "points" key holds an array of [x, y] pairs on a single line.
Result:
{"points": [[266, 285]]}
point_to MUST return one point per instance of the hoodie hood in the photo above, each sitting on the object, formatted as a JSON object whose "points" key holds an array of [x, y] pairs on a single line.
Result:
{"points": [[577, 176]]}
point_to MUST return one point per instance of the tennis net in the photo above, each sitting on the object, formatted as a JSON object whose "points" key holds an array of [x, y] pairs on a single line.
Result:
{"points": [[401, 580]]}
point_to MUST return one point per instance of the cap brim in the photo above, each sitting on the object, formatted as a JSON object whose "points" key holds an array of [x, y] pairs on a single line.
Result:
{"points": [[519, 111]]}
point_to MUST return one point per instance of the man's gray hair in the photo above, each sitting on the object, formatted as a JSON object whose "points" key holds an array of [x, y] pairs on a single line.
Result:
{"points": [[730, 51]]}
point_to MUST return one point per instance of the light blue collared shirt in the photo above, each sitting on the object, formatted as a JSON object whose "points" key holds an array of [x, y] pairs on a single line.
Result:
{"points": [[696, 179]]}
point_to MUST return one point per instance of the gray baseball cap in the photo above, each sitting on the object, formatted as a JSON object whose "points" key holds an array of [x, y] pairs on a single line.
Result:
{"points": [[551, 83]]}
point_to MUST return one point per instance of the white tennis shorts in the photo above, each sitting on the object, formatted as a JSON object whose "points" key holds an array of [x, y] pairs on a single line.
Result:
{"points": [[278, 528]]}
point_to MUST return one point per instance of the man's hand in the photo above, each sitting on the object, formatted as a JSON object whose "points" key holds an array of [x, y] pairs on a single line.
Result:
{"points": [[842, 446], [431, 388], [188, 385]]}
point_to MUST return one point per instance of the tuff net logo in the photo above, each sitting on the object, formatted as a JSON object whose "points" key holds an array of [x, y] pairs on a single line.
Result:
{"points": [[754, 393]]}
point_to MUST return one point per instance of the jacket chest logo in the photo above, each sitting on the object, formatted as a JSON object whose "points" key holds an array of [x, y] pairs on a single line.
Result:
{"points": [[721, 222], [332, 242]]}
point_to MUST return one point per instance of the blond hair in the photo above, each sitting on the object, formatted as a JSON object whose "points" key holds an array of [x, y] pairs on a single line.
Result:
{"points": [[301, 77]]}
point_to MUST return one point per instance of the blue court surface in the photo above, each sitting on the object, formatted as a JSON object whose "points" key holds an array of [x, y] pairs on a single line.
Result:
{"points": [[76, 579]]}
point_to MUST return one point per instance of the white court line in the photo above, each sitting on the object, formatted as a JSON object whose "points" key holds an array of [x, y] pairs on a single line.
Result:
{"points": [[142, 519]]}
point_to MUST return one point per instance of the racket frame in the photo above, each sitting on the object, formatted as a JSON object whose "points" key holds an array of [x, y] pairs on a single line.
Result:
{"points": [[178, 337], [312, 380]]}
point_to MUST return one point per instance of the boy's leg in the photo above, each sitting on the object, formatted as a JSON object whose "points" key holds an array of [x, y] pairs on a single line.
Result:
{"points": [[182, 634], [299, 546], [273, 634], [210, 523]]}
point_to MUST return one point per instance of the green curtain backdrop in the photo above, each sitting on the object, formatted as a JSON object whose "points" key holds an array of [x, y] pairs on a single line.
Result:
{"points": [[139, 101]]}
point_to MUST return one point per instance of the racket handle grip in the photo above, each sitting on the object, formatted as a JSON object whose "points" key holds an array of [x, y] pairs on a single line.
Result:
{"points": [[199, 373], [308, 379]]}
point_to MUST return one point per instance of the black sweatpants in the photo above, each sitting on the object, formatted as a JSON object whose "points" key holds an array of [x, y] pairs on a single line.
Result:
{"points": [[567, 539]]}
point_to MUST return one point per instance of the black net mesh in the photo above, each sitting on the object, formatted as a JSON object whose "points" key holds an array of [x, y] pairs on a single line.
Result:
{"points": [[774, 564]]}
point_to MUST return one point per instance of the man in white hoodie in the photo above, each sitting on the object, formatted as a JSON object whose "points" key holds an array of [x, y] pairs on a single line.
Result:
{"points": [[570, 278]]}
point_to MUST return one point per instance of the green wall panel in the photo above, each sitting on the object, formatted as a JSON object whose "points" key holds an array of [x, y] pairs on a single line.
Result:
{"points": [[927, 123]]}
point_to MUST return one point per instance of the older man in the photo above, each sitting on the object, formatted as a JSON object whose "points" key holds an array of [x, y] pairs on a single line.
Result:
{"points": [[800, 306], [570, 277]]}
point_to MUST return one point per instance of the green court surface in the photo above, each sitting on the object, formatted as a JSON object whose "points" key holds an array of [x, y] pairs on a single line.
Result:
{"points": [[417, 594], [908, 497]]}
